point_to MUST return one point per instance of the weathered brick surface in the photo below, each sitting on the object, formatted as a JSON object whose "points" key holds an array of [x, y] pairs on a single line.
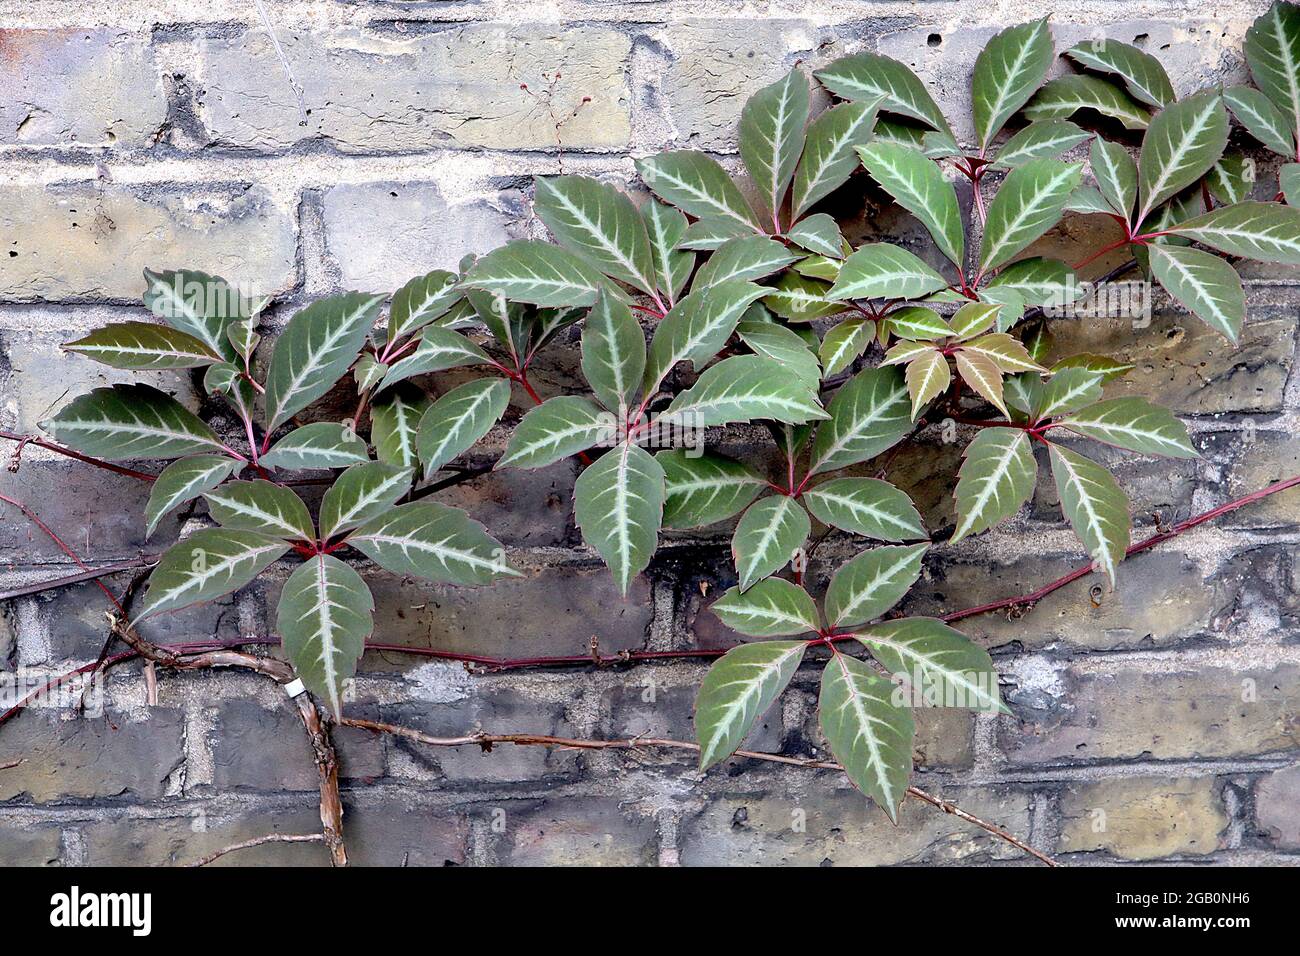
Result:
{"points": [[1140, 818], [1157, 721], [1127, 713], [79, 88], [829, 825], [23, 846], [1277, 808], [374, 91], [69, 758], [87, 240], [382, 234]]}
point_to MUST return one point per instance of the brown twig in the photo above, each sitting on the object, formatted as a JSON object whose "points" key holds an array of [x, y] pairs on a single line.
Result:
{"points": [[486, 742], [259, 841], [9, 765], [93, 574], [331, 806], [1146, 544], [97, 462]]}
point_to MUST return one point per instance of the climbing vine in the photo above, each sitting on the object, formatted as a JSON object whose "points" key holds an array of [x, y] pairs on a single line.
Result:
{"points": [[715, 301]]}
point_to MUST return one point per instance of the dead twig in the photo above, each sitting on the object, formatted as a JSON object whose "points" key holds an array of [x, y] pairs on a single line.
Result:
{"points": [[331, 805], [9, 765], [486, 742], [259, 841]]}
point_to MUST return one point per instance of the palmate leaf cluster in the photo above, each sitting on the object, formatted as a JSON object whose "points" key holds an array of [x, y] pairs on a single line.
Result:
{"points": [[719, 296]]}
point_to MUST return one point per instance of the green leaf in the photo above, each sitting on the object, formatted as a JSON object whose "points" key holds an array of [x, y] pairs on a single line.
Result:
{"points": [[1116, 174], [918, 186], [880, 270], [1288, 180], [984, 376], [1134, 424], [458, 419], [1004, 351], [613, 352], [818, 267], [394, 418], [697, 184], [261, 506], [736, 691], [324, 616], [315, 350], [1086, 199], [1202, 283], [868, 415], [1262, 119], [1182, 145], [183, 481], [843, 344], [1038, 281], [130, 421], [973, 318], [800, 299], [870, 584], [940, 664], [744, 258], [707, 234], [666, 227], [771, 608], [206, 565], [438, 350], [767, 537], [1109, 368], [784, 347], [705, 488], [1013, 305], [361, 493], [919, 324], [1095, 506], [741, 389], [868, 77], [1273, 51], [928, 376], [996, 478], [1064, 96], [318, 445], [1068, 390], [199, 304], [1267, 231], [866, 506], [868, 733], [818, 233], [1231, 179], [367, 372], [557, 428], [1030, 202], [697, 327], [423, 300], [1045, 139], [143, 345], [527, 270], [600, 223], [619, 503], [772, 126], [434, 542], [511, 323], [828, 157], [1142, 73], [1007, 72]]}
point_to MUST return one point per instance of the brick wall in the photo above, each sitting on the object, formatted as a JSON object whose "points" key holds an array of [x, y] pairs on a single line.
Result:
{"points": [[1157, 722]]}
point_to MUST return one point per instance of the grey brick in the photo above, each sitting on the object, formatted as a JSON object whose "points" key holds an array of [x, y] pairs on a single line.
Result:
{"points": [[81, 758], [93, 87], [87, 241], [382, 234], [458, 87]]}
